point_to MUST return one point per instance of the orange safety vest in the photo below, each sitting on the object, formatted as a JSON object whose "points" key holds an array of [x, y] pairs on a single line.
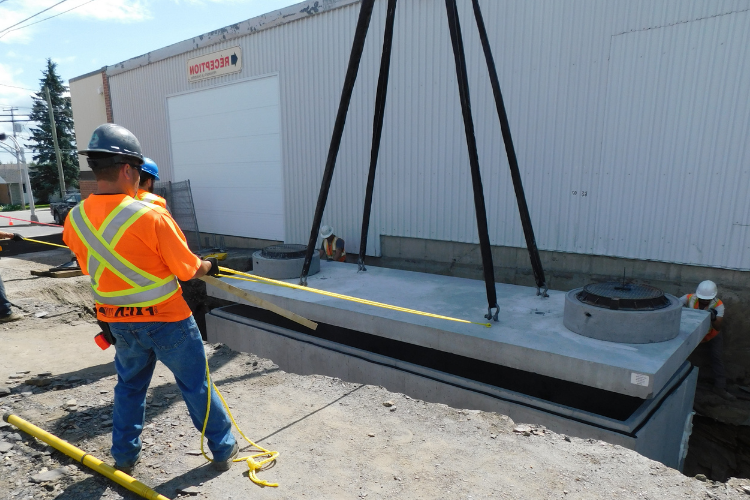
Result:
{"points": [[134, 253], [692, 303], [152, 198], [329, 249]]}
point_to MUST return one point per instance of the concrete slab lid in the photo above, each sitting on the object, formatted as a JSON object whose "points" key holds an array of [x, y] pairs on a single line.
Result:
{"points": [[529, 336]]}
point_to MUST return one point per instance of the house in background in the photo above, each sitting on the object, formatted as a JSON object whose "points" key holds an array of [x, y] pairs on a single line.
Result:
{"points": [[11, 187]]}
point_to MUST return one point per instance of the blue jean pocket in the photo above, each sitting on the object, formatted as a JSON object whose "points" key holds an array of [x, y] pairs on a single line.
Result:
{"points": [[168, 336], [119, 340]]}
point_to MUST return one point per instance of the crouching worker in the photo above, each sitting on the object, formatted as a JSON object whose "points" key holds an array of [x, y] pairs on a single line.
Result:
{"points": [[135, 253], [332, 247]]}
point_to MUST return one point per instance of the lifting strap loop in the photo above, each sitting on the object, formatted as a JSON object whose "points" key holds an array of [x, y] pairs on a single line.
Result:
{"points": [[363, 24], [377, 127], [523, 209], [462, 78]]}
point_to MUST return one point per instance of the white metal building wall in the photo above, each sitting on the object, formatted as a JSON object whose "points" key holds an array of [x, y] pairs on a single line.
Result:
{"points": [[627, 136]]}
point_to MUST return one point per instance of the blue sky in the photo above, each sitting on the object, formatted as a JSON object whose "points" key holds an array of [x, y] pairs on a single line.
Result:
{"points": [[97, 33]]}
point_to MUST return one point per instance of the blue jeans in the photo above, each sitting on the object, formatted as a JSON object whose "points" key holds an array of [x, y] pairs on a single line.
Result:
{"points": [[179, 346], [4, 303]]}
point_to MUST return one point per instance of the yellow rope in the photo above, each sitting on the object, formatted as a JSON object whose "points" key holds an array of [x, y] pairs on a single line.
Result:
{"points": [[44, 243], [252, 464], [259, 279]]}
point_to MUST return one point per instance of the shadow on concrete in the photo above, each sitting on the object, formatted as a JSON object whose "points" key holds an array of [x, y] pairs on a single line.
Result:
{"points": [[309, 415]]}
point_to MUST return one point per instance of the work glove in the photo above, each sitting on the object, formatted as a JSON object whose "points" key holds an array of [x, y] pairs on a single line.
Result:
{"points": [[714, 314], [17, 237], [214, 271]]}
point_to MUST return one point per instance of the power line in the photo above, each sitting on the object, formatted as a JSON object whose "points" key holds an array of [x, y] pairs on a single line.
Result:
{"points": [[45, 19], [15, 87], [31, 17]]}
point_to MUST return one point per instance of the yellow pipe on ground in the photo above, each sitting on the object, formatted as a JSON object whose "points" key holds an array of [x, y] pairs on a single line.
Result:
{"points": [[88, 460]]}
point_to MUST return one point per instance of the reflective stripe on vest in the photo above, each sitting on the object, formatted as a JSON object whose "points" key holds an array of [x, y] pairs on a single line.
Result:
{"points": [[329, 249], [144, 288], [149, 198]]}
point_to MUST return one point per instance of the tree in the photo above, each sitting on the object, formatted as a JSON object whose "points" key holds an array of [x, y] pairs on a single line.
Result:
{"points": [[45, 177]]}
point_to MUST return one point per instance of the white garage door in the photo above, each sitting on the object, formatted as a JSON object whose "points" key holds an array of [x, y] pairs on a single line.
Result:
{"points": [[227, 142]]}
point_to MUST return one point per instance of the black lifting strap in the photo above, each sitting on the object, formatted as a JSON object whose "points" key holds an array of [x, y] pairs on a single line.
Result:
{"points": [[523, 209], [377, 127], [476, 179], [363, 23]]}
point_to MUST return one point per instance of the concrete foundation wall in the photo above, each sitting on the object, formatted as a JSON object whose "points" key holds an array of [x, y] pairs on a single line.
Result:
{"points": [[565, 271], [659, 438]]}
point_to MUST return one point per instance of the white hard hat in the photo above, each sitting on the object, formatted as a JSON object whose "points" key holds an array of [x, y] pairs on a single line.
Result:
{"points": [[326, 231], [707, 290]]}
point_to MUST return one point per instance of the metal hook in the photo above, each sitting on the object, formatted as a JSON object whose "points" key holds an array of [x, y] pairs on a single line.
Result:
{"points": [[489, 314]]}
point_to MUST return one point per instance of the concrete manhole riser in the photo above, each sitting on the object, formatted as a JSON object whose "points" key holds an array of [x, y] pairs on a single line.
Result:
{"points": [[627, 327], [281, 269]]}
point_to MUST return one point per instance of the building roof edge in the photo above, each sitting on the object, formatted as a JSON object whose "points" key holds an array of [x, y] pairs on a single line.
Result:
{"points": [[273, 19]]}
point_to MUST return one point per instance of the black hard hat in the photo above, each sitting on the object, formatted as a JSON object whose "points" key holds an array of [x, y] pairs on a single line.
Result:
{"points": [[114, 143]]}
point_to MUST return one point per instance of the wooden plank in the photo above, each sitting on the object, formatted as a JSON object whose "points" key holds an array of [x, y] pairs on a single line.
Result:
{"points": [[255, 300]]}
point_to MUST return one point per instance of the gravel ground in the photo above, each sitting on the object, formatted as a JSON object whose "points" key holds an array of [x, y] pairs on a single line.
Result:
{"points": [[336, 439]]}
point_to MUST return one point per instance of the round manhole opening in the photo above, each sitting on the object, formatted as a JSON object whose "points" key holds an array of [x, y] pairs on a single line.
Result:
{"points": [[625, 296], [284, 251]]}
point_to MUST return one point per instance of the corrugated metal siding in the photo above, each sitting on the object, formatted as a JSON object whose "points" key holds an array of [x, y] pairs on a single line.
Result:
{"points": [[586, 113]]}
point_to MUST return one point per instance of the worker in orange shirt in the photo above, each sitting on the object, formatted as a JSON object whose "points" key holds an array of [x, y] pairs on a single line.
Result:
{"points": [[135, 253], [149, 175]]}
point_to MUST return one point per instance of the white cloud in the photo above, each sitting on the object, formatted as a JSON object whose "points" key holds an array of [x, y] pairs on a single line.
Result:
{"points": [[123, 11]]}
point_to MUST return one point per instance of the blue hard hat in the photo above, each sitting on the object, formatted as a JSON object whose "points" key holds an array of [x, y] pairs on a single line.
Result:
{"points": [[149, 166], [114, 143]]}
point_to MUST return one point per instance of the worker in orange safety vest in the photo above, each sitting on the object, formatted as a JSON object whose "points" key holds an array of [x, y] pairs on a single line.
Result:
{"points": [[333, 246], [705, 298], [135, 254], [149, 175]]}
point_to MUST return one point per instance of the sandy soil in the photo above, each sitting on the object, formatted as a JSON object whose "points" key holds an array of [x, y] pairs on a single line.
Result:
{"points": [[336, 439]]}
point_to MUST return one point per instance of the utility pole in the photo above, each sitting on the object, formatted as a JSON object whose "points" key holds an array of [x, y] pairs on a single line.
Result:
{"points": [[18, 157], [23, 169], [54, 140]]}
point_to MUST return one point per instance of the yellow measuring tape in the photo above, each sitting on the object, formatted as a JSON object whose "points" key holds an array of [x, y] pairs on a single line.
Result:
{"points": [[260, 279], [44, 243]]}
